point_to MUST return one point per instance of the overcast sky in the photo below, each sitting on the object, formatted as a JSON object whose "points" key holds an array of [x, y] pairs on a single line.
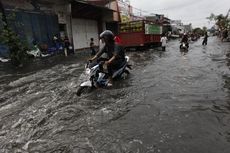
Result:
{"points": [[189, 11]]}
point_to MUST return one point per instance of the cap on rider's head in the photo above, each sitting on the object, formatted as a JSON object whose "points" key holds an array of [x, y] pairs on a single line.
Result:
{"points": [[108, 36]]}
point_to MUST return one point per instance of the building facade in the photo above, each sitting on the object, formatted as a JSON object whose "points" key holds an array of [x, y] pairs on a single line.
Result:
{"points": [[41, 20], [177, 27]]}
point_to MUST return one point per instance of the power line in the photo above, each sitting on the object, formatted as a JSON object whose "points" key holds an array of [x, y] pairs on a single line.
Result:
{"points": [[184, 5]]}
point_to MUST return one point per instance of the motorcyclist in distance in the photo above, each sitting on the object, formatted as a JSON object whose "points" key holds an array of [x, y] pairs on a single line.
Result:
{"points": [[184, 40], [115, 53]]}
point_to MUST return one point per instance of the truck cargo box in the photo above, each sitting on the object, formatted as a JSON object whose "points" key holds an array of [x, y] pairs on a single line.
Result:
{"points": [[140, 33]]}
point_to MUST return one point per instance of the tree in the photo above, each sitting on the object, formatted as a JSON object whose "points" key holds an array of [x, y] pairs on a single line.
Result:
{"points": [[3, 15], [9, 38], [198, 31], [220, 20], [204, 29]]}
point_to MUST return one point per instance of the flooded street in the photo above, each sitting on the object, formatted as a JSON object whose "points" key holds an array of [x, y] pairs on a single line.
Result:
{"points": [[171, 103]]}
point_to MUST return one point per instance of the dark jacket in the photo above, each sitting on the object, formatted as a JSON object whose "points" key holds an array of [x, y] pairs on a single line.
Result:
{"points": [[113, 50]]}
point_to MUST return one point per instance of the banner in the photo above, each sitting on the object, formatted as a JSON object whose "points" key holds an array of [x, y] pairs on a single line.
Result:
{"points": [[153, 29]]}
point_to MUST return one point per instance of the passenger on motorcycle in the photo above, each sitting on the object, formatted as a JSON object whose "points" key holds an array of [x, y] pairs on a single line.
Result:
{"points": [[184, 40], [115, 53]]}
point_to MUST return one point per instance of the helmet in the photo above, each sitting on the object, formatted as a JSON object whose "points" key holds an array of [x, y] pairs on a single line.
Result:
{"points": [[108, 36]]}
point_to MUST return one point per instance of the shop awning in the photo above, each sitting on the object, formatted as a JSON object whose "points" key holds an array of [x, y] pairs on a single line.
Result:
{"points": [[89, 11], [99, 2]]}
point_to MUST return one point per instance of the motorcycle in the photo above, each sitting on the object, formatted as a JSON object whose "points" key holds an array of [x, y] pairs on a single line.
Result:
{"points": [[60, 49], [183, 47], [36, 52], [97, 77]]}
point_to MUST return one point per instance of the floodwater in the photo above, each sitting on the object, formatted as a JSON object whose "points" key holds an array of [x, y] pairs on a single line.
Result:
{"points": [[171, 103]]}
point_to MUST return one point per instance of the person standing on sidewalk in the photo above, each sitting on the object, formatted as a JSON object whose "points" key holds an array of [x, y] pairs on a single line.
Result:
{"points": [[66, 45], [93, 52], [163, 42]]}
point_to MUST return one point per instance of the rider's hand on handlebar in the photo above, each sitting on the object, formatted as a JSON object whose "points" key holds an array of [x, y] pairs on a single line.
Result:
{"points": [[107, 62], [91, 59]]}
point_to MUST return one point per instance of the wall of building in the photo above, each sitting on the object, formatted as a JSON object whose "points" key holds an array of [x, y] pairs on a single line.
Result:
{"points": [[31, 23], [64, 17], [78, 30], [83, 30], [17, 4], [113, 6]]}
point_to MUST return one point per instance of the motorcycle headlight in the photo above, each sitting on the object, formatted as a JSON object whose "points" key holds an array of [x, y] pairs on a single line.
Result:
{"points": [[87, 71]]}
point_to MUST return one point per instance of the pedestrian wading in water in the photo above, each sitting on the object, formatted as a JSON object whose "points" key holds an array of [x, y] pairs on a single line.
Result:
{"points": [[205, 41], [163, 42]]}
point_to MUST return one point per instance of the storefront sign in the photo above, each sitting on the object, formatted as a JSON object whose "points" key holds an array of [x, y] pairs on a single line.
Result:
{"points": [[61, 17], [153, 29]]}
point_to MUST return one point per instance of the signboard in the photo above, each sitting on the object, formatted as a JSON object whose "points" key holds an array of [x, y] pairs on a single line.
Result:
{"points": [[137, 18], [153, 29], [124, 9], [61, 17]]}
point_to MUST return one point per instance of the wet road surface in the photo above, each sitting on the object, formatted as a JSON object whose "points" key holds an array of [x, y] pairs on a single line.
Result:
{"points": [[171, 103]]}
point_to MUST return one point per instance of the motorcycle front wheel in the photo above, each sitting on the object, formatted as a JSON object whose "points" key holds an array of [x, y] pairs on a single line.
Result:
{"points": [[82, 89], [125, 74]]}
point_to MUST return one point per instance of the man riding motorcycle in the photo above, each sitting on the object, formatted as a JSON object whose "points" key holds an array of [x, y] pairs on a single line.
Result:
{"points": [[184, 40], [115, 53]]}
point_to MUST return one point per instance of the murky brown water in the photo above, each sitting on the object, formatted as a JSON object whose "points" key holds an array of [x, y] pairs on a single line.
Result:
{"points": [[169, 104]]}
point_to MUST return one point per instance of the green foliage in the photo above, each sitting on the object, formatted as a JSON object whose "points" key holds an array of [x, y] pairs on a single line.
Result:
{"points": [[17, 47], [220, 20], [204, 28], [198, 31], [212, 17]]}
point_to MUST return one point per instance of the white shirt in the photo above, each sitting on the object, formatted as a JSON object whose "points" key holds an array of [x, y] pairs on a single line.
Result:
{"points": [[164, 41]]}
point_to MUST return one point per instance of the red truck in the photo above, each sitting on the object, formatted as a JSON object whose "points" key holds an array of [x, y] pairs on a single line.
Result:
{"points": [[142, 33]]}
